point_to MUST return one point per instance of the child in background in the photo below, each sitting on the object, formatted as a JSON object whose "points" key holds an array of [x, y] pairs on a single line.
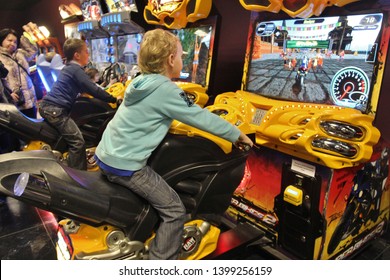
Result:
{"points": [[94, 75], [152, 101], [57, 104]]}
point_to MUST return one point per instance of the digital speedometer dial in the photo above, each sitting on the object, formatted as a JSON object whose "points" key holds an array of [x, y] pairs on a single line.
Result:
{"points": [[350, 87]]}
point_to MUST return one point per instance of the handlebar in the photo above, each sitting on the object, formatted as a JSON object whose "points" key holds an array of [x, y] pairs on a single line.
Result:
{"points": [[246, 147]]}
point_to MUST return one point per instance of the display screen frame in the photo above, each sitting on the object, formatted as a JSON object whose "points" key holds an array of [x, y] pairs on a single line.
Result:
{"points": [[270, 69]]}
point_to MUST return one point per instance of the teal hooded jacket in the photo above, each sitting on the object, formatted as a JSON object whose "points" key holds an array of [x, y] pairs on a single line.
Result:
{"points": [[151, 103]]}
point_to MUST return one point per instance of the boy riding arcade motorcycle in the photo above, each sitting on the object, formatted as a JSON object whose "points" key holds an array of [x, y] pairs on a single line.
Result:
{"points": [[90, 114]]}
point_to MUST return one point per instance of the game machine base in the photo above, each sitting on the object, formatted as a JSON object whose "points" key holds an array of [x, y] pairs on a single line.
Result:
{"points": [[317, 182], [310, 211]]}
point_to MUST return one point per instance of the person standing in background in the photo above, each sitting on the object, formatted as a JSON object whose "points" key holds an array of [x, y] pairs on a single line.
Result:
{"points": [[16, 61], [8, 142]]}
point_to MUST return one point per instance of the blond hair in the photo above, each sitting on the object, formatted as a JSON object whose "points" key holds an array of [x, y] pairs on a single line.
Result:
{"points": [[156, 46]]}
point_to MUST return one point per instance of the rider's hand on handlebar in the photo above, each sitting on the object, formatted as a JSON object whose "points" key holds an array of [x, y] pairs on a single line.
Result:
{"points": [[244, 142], [119, 100], [113, 80]]}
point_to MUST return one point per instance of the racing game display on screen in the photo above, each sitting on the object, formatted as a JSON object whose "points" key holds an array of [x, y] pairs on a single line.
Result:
{"points": [[327, 60], [100, 50]]}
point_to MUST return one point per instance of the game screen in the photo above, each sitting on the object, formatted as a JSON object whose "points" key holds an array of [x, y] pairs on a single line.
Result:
{"points": [[197, 42], [91, 9], [100, 50], [128, 47], [328, 60], [121, 5]]}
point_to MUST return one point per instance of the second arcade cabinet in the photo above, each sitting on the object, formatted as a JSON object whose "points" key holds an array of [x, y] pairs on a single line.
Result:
{"points": [[315, 187]]}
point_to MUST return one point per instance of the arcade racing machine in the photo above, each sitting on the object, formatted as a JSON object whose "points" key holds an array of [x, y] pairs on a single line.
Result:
{"points": [[125, 36], [317, 183], [102, 32]]}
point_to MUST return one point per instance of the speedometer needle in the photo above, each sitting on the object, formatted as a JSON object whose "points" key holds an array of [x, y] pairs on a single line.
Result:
{"points": [[345, 92]]}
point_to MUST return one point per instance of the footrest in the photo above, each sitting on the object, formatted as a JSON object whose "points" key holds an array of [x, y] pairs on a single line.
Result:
{"points": [[241, 235]]}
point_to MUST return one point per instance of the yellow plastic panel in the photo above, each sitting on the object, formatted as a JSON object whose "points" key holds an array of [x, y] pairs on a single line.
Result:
{"points": [[273, 6], [294, 8], [176, 14], [346, 135], [197, 92], [227, 112], [208, 243], [89, 239]]}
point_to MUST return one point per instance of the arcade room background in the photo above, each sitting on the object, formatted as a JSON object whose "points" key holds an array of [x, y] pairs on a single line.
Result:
{"points": [[291, 198]]}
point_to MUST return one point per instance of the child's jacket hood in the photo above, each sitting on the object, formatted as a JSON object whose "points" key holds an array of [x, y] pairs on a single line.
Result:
{"points": [[143, 86]]}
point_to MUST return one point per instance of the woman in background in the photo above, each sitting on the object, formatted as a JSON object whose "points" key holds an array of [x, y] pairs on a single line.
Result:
{"points": [[16, 60]]}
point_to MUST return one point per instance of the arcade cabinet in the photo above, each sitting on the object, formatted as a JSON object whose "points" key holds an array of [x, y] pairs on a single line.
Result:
{"points": [[43, 67], [47, 48], [56, 65], [317, 183], [97, 41], [125, 36]]}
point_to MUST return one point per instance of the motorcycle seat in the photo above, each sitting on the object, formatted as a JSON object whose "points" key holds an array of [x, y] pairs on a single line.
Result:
{"points": [[103, 201], [12, 120]]}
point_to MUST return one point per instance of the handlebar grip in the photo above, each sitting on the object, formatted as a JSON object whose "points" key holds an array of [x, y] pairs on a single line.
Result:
{"points": [[243, 146]]}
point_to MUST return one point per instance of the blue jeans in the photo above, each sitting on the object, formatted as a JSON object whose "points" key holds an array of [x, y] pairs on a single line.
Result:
{"points": [[152, 187], [69, 131]]}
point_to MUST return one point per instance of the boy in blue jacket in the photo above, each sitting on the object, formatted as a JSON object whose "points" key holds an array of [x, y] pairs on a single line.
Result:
{"points": [[55, 107], [152, 101]]}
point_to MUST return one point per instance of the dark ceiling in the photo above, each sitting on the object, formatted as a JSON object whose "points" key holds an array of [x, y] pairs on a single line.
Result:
{"points": [[17, 5]]}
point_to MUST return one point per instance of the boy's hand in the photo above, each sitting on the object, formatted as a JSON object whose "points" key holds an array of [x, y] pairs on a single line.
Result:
{"points": [[244, 142], [119, 100], [242, 146], [112, 81]]}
